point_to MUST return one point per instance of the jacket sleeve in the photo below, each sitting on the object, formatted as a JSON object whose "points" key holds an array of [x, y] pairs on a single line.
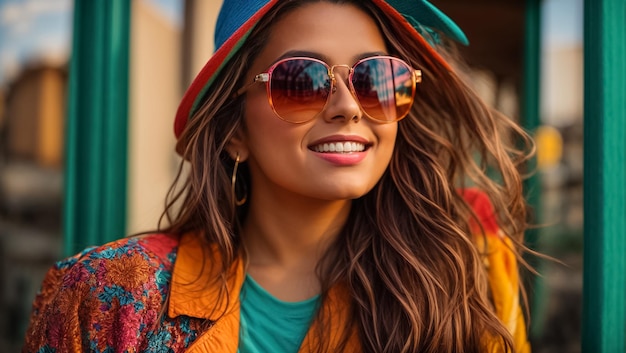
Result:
{"points": [[55, 319], [101, 300], [501, 265]]}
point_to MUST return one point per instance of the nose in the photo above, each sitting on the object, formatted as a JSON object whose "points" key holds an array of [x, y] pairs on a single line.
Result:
{"points": [[342, 104]]}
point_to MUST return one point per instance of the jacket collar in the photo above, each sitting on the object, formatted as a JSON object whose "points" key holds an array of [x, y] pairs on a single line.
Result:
{"points": [[196, 289]]}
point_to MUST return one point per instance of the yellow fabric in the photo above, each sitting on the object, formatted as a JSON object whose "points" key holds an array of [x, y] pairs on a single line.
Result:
{"points": [[190, 296], [503, 276]]}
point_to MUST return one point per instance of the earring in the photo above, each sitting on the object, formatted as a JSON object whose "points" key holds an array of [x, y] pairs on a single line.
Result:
{"points": [[233, 182]]}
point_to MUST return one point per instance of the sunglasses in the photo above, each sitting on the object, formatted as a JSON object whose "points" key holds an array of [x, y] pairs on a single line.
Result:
{"points": [[299, 88]]}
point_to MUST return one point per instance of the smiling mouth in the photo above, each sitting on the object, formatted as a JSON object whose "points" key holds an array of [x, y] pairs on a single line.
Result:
{"points": [[339, 147]]}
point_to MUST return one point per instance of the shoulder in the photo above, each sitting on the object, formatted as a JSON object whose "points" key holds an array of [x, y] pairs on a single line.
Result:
{"points": [[483, 209], [500, 258], [159, 248], [486, 234], [125, 265], [126, 270], [104, 294]]}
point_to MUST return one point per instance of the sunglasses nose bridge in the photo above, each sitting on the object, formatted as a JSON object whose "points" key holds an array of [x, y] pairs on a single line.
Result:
{"points": [[331, 74]]}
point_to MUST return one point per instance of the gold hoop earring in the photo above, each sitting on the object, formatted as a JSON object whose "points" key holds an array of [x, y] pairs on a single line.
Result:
{"points": [[233, 182]]}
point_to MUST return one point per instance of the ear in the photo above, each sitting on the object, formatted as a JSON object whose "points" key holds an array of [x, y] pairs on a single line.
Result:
{"points": [[238, 145]]}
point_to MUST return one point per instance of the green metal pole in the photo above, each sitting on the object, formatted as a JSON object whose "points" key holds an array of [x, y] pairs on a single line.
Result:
{"points": [[604, 289], [96, 139], [531, 102], [532, 65], [531, 120]]}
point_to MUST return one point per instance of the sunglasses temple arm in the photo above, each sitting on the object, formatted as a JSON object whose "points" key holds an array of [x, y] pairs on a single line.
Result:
{"points": [[263, 77]]}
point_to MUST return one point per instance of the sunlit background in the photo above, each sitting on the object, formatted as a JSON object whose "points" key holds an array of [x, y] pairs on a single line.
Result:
{"points": [[35, 47]]}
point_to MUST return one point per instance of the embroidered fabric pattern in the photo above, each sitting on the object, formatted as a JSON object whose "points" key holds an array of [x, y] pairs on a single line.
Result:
{"points": [[109, 299]]}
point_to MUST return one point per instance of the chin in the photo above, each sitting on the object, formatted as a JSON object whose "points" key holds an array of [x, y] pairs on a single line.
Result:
{"points": [[346, 194]]}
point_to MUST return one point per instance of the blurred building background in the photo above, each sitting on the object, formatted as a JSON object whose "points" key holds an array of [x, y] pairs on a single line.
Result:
{"points": [[34, 43], [170, 41]]}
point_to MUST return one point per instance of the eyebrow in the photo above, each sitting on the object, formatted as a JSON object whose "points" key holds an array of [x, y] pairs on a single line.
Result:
{"points": [[324, 58]]}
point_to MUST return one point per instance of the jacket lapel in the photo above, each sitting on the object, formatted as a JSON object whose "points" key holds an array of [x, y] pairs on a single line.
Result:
{"points": [[197, 291]]}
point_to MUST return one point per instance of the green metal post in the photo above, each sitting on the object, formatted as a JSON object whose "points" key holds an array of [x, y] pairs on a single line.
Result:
{"points": [[604, 289], [531, 120], [96, 139], [532, 65], [531, 102]]}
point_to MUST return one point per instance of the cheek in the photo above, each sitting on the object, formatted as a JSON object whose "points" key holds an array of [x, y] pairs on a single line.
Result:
{"points": [[387, 136], [266, 130], [256, 105], [258, 116], [387, 139]]}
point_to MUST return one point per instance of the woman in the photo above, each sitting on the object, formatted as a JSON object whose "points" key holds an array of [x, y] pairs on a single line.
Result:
{"points": [[326, 207]]}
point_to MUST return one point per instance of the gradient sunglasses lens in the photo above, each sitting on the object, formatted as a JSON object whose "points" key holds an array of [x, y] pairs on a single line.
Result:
{"points": [[384, 87], [299, 88]]}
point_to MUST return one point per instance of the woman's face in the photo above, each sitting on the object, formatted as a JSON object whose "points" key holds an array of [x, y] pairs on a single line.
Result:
{"points": [[285, 157]]}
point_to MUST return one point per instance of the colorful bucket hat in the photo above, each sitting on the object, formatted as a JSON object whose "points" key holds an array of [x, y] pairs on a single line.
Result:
{"points": [[237, 18]]}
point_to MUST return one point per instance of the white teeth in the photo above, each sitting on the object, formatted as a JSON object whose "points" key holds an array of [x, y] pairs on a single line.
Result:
{"points": [[340, 147]]}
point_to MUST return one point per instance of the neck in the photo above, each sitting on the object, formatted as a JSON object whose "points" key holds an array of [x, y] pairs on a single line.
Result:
{"points": [[287, 235], [285, 239]]}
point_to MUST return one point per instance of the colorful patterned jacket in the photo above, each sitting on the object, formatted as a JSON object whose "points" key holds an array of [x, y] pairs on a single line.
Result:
{"points": [[110, 298]]}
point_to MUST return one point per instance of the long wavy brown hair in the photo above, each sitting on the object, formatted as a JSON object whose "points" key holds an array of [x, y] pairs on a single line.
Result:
{"points": [[406, 255]]}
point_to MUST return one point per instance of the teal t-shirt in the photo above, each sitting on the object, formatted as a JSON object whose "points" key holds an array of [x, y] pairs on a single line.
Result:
{"points": [[271, 325]]}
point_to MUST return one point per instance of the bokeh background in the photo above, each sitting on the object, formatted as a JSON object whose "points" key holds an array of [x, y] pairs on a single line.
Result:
{"points": [[170, 41]]}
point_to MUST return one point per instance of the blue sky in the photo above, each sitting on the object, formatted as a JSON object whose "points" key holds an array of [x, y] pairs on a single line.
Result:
{"points": [[562, 22], [32, 29]]}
